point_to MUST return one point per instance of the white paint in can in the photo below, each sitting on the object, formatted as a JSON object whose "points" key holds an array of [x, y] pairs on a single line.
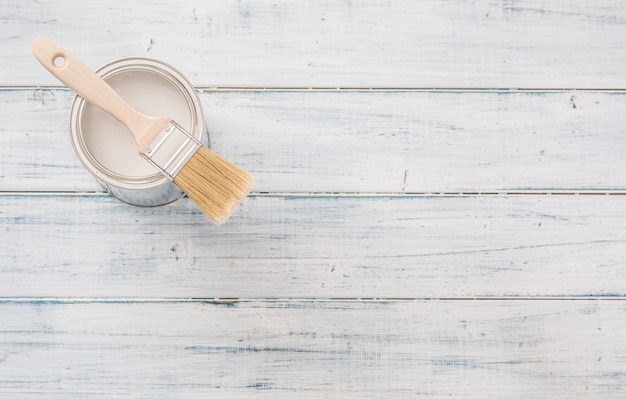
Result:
{"points": [[107, 149]]}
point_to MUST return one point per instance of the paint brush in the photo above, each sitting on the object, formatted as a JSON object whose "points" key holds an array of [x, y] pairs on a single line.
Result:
{"points": [[214, 183]]}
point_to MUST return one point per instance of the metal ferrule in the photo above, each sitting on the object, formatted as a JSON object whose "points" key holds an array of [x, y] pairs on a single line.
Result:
{"points": [[171, 150]]}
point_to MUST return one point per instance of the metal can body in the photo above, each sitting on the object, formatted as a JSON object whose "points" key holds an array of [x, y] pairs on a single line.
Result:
{"points": [[107, 149]]}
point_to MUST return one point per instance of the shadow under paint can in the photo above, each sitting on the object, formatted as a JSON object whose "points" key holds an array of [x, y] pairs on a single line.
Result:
{"points": [[107, 149]]}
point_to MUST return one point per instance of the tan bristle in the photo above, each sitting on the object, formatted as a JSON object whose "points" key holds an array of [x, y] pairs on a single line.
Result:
{"points": [[214, 183]]}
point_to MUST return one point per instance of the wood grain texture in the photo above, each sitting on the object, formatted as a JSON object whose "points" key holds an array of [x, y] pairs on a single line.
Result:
{"points": [[354, 141], [514, 291], [316, 247], [439, 349], [373, 43]]}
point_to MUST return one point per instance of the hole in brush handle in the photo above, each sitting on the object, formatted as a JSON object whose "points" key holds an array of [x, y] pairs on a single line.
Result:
{"points": [[58, 60]]}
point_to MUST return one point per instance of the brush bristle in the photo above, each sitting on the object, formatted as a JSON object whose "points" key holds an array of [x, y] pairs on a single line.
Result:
{"points": [[214, 183]]}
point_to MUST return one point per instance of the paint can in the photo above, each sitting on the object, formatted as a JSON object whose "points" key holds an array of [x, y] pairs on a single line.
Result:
{"points": [[107, 149]]}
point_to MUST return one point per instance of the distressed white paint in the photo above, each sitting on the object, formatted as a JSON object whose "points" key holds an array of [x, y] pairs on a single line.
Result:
{"points": [[310, 43], [353, 141], [548, 270], [337, 349], [312, 247]]}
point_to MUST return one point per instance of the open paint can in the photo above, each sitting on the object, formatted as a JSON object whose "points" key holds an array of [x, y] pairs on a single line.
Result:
{"points": [[107, 149]]}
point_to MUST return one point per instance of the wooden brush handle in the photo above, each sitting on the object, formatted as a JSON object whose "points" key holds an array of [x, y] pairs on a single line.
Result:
{"points": [[87, 84]]}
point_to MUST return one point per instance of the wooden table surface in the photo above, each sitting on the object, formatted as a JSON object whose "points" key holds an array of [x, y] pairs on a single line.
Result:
{"points": [[439, 211]]}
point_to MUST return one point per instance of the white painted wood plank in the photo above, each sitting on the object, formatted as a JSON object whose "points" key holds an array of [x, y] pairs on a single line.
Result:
{"points": [[35, 149], [424, 141], [439, 349], [370, 43], [316, 247], [354, 141]]}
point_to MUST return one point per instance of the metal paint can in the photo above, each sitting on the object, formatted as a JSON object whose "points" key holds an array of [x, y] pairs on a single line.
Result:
{"points": [[107, 149]]}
